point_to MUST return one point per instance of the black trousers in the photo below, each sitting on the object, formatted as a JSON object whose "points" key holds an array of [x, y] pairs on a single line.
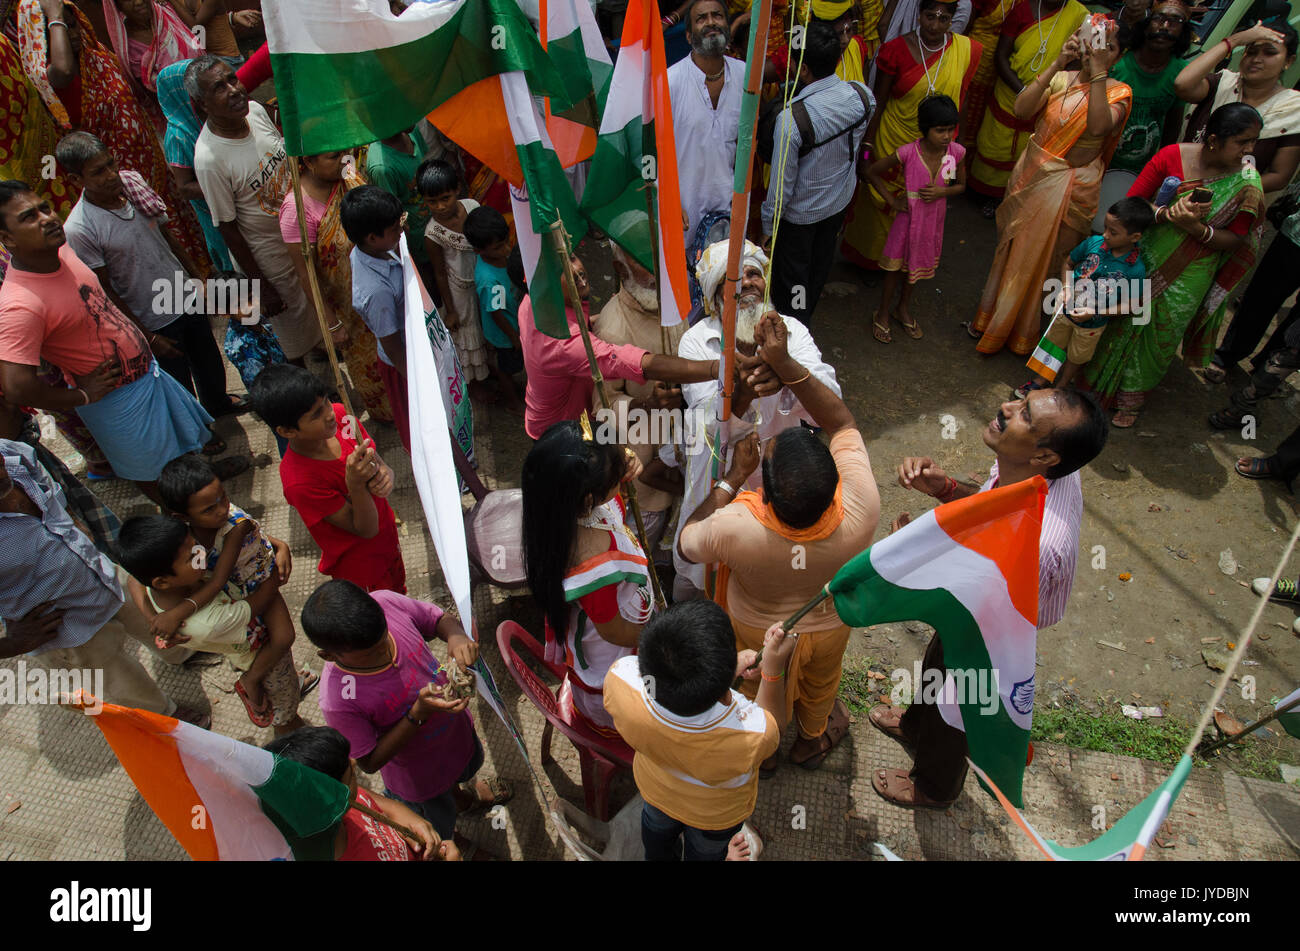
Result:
{"points": [[1276, 278], [1287, 457], [199, 368], [939, 763], [801, 262]]}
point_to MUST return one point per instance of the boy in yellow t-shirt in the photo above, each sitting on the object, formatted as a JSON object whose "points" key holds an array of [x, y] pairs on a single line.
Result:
{"points": [[698, 743]]}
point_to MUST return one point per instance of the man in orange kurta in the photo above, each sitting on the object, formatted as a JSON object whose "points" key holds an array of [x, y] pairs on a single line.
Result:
{"points": [[776, 549]]}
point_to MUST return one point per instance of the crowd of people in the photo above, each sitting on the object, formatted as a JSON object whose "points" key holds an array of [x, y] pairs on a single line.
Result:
{"points": [[139, 172]]}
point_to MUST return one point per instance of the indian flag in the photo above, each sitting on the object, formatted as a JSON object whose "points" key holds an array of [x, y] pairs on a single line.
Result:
{"points": [[1127, 840], [220, 798], [572, 40], [635, 166], [1289, 721], [969, 569], [1047, 358], [349, 72]]}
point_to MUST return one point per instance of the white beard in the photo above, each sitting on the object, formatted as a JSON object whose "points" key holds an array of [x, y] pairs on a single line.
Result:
{"points": [[647, 298], [747, 318]]}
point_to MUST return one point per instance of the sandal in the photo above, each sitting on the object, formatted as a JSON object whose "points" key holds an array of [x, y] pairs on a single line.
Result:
{"points": [[887, 719], [837, 727], [1124, 419], [261, 717], [307, 682], [193, 717], [881, 333], [1226, 419], [214, 446], [969, 327], [896, 786], [498, 790], [1214, 373], [1258, 467], [913, 329]]}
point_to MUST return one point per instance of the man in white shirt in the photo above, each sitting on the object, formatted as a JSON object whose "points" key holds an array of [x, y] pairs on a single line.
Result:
{"points": [[705, 89], [241, 165], [759, 402]]}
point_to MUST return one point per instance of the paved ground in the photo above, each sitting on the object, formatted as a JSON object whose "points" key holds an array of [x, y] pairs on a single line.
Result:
{"points": [[63, 796]]}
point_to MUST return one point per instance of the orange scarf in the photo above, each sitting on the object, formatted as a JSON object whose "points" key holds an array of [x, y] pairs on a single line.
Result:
{"points": [[824, 527]]}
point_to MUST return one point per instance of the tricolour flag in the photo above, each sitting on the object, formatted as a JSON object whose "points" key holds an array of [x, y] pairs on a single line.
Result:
{"points": [[349, 72], [635, 153], [970, 570], [1127, 840], [572, 39], [220, 798], [1048, 358], [1289, 721]]}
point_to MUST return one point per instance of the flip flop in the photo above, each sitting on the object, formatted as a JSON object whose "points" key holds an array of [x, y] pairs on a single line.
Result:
{"points": [[1125, 419], [896, 786], [1226, 419], [882, 333], [969, 327], [1258, 467], [913, 329], [307, 681], [261, 718]]}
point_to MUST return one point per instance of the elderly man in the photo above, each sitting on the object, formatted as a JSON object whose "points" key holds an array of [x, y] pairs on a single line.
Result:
{"points": [[705, 89], [1052, 433], [760, 400], [61, 600], [241, 165], [813, 182], [775, 550], [632, 317]]}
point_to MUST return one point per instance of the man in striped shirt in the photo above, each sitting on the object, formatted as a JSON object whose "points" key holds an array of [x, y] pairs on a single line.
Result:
{"points": [[1052, 433]]}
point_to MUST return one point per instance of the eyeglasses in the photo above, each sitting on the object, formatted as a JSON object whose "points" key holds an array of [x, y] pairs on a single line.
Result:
{"points": [[1169, 19]]}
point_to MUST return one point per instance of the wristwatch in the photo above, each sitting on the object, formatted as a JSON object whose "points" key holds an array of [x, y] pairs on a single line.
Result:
{"points": [[724, 484]]}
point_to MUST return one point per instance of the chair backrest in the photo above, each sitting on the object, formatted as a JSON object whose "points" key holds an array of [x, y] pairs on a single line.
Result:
{"points": [[510, 634], [494, 532]]}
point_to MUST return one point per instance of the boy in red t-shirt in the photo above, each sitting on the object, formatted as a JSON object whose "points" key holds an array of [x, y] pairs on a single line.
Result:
{"points": [[359, 837], [332, 475]]}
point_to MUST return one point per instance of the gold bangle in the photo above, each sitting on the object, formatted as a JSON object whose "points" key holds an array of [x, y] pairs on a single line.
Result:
{"points": [[806, 374]]}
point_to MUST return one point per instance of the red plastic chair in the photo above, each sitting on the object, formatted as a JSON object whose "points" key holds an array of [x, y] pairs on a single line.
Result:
{"points": [[601, 759]]}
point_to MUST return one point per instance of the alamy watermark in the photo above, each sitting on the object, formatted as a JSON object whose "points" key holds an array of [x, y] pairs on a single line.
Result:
{"points": [[625, 424], [180, 294], [34, 685], [1111, 296], [967, 687]]}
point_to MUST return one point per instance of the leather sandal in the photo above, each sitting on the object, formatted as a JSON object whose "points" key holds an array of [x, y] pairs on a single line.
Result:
{"points": [[896, 786]]}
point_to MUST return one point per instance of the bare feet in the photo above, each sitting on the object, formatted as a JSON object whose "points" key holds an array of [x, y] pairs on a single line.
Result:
{"points": [[738, 848]]}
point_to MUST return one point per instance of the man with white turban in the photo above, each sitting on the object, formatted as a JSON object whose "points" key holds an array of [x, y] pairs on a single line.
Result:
{"points": [[760, 402]]}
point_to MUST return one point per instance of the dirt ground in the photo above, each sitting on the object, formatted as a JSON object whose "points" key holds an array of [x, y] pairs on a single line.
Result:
{"points": [[1162, 502]]}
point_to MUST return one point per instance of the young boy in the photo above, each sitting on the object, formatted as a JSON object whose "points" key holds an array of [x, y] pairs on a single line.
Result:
{"points": [[162, 556], [359, 838], [334, 478], [498, 301], [372, 219], [235, 552], [1099, 264], [382, 689], [698, 743]]}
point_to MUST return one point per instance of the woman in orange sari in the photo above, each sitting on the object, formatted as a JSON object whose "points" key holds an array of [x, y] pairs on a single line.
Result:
{"points": [[1054, 188], [325, 178]]}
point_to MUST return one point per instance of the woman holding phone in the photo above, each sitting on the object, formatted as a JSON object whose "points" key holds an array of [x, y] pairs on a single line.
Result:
{"points": [[1202, 244]]}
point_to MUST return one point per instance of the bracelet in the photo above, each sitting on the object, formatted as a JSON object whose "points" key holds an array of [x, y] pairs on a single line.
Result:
{"points": [[1228, 40], [725, 486], [336, 326], [948, 490], [413, 719], [771, 680], [49, 23], [1209, 234], [84, 395], [193, 602], [806, 374], [1100, 79]]}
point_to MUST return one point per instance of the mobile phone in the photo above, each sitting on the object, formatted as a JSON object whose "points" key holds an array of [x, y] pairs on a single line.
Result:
{"points": [[1201, 195]]}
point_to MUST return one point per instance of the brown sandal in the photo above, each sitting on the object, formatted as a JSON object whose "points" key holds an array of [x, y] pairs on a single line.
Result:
{"points": [[896, 786], [837, 727], [913, 329], [881, 333], [884, 719]]}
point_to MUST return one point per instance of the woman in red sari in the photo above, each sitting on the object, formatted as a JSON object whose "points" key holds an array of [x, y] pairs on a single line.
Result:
{"points": [[84, 89]]}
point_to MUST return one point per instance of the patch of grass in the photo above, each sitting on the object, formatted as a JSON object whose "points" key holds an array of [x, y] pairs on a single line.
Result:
{"points": [[1162, 740], [857, 690]]}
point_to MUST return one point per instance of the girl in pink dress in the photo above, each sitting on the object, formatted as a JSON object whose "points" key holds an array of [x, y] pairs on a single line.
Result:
{"points": [[933, 171]]}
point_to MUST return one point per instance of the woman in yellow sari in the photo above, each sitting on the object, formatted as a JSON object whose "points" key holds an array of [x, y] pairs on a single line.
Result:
{"points": [[1033, 34], [929, 61], [985, 29], [325, 178], [1054, 189]]}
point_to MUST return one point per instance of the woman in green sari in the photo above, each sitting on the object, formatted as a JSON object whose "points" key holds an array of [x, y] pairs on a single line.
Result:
{"points": [[1195, 255]]}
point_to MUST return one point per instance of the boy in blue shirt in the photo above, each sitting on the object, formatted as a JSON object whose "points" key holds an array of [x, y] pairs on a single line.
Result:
{"points": [[1091, 275], [498, 301]]}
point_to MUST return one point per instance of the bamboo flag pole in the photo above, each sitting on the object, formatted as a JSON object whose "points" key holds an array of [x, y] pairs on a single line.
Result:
{"points": [[380, 817], [560, 242], [315, 288], [1249, 727]]}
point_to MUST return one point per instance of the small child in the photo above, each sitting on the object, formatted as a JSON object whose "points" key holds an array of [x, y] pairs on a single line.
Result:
{"points": [[333, 477], [498, 302], [360, 838], [164, 558], [239, 558], [453, 261], [382, 689], [698, 743], [933, 170], [1089, 298], [372, 219]]}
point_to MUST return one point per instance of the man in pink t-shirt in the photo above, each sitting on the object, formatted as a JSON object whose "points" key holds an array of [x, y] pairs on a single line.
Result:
{"points": [[52, 307], [559, 375]]}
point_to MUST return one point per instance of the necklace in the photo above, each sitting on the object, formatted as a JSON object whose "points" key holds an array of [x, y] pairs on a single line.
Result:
{"points": [[1036, 64], [941, 50], [601, 518], [1066, 117]]}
